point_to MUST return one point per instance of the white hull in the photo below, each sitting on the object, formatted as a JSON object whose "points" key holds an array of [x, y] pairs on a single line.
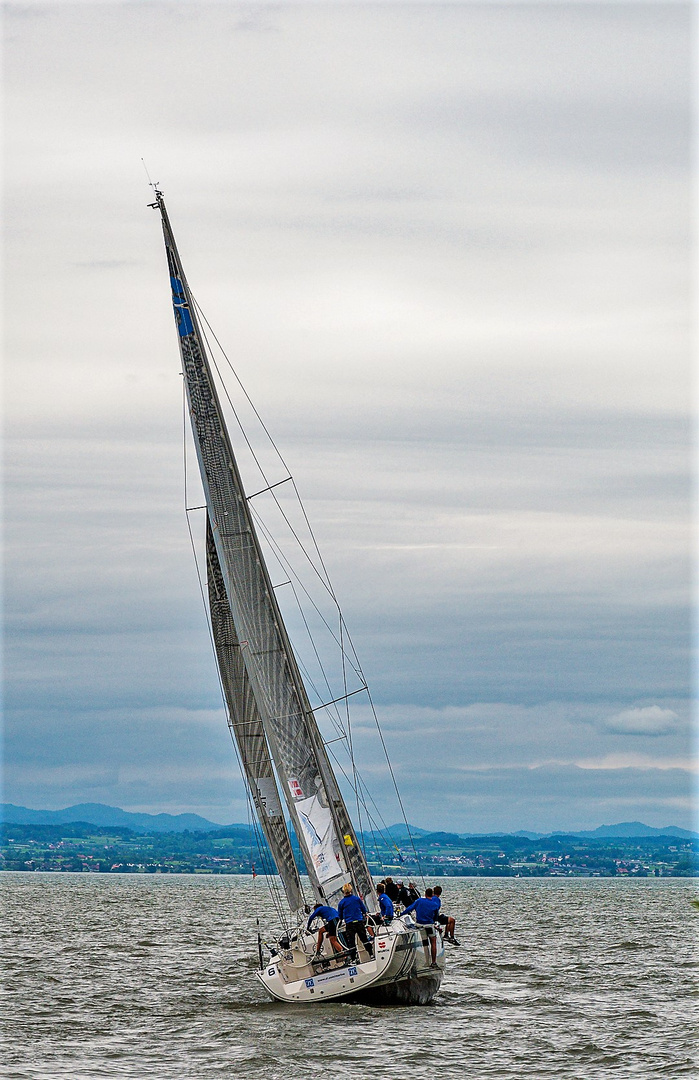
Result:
{"points": [[400, 972]]}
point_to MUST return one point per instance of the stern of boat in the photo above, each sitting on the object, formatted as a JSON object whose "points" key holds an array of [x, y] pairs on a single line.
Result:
{"points": [[399, 973]]}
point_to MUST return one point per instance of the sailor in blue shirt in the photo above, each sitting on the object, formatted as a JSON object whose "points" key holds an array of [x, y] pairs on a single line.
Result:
{"points": [[352, 909], [329, 916], [385, 904], [426, 908]]}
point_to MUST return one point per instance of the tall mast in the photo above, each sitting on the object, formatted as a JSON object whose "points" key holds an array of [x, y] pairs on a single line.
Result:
{"points": [[316, 807]]}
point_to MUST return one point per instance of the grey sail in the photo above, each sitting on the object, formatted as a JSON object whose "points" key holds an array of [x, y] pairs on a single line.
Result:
{"points": [[317, 809], [247, 730]]}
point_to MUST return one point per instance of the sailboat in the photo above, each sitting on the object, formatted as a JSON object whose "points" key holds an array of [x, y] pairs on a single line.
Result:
{"points": [[283, 754]]}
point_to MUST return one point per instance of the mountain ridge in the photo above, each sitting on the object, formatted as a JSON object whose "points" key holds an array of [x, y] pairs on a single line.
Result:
{"points": [[101, 814]]}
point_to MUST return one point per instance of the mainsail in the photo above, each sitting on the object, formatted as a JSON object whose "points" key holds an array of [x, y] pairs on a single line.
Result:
{"points": [[246, 727], [250, 629]]}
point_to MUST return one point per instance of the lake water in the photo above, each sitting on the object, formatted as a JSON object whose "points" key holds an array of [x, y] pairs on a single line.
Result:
{"points": [[110, 976]]}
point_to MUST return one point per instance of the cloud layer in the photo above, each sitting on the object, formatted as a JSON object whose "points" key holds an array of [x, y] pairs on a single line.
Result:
{"points": [[448, 250]]}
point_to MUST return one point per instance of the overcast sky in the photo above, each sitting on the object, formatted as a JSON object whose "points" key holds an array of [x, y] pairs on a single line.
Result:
{"points": [[447, 248]]}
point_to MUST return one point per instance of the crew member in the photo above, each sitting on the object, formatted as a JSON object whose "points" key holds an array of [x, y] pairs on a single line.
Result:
{"points": [[445, 920], [385, 913], [329, 915], [353, 909], [391, 890], [408, 894], [425, 908], [413, 892]]}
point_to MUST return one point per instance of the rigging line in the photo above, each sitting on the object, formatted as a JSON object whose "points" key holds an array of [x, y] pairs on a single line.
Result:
{"points": [[307, 676], [267, 871], [360, 673], [395, 785], [366, 808], [286, 565], [310, 682], [384, 832], [334, 714], [240, 384], [263, 490], [342, 697], [225, 388], [313, 645], [349, 730], [315, 542], [337, 723], [325, 581], [184, 439]]}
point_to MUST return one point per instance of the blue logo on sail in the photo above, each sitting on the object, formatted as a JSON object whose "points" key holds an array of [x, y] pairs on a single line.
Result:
{"points": [[179, 301]]}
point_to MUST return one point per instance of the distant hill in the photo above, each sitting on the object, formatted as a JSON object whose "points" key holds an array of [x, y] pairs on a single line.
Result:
{"points": [[400, 831], [98, 814], [636, 828]]}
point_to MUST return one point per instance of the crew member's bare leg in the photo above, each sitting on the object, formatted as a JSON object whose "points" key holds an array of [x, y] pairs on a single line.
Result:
{"points": [[335, 943]]}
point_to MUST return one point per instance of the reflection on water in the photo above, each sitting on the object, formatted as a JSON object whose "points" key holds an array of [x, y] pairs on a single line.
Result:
{"points": [[111, 976]]}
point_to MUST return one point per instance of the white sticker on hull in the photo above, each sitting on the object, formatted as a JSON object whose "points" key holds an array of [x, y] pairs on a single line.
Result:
{"points": [[320, 980]]}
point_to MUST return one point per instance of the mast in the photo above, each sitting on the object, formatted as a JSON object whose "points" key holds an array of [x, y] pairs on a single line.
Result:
{"points": [[316, 807]]}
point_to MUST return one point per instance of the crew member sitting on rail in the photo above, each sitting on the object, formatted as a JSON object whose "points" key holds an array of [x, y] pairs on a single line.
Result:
{"points": [[425, 910], [352, 909], [385, 913], [448, 921], [329, 916]]}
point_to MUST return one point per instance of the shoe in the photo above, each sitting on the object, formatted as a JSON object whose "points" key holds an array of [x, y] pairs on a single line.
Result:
{"points": [[434, 965], [454, 941]]}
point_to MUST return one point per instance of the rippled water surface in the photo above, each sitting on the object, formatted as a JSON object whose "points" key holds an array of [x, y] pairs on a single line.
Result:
{"points": [[135, 976]]}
